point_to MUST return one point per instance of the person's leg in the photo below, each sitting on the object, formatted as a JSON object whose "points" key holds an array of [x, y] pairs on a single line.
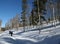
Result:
{"points": [[11, 34]]}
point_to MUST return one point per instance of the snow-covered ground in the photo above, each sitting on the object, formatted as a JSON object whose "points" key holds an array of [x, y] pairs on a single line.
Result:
{"points": [[49, 35]]}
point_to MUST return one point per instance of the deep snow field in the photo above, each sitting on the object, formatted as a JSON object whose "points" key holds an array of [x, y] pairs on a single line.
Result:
{"points": [[48, 35]]}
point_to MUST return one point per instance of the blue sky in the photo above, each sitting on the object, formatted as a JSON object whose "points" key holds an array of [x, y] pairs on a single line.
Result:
{"points": [[8, 9]]}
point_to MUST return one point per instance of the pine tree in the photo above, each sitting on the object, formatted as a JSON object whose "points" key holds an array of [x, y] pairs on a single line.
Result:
{"points": [[52, 10], [24, 12], [39, 9], [58, 9]]}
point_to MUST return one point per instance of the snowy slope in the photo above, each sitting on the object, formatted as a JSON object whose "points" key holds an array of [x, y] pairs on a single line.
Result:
{"points": [[46, 36]]}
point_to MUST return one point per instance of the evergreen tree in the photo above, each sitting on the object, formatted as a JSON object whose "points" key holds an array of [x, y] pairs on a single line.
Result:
{"points": [[39, 7], [24, 12], [58, 9]]}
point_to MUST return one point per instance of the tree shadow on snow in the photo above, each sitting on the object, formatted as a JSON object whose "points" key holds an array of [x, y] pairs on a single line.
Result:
{"points": [[50, 40], [39, 28], [17, 41]]}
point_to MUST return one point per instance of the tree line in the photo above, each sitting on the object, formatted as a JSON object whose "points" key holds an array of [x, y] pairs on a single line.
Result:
{"points": [[37, 14]]}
